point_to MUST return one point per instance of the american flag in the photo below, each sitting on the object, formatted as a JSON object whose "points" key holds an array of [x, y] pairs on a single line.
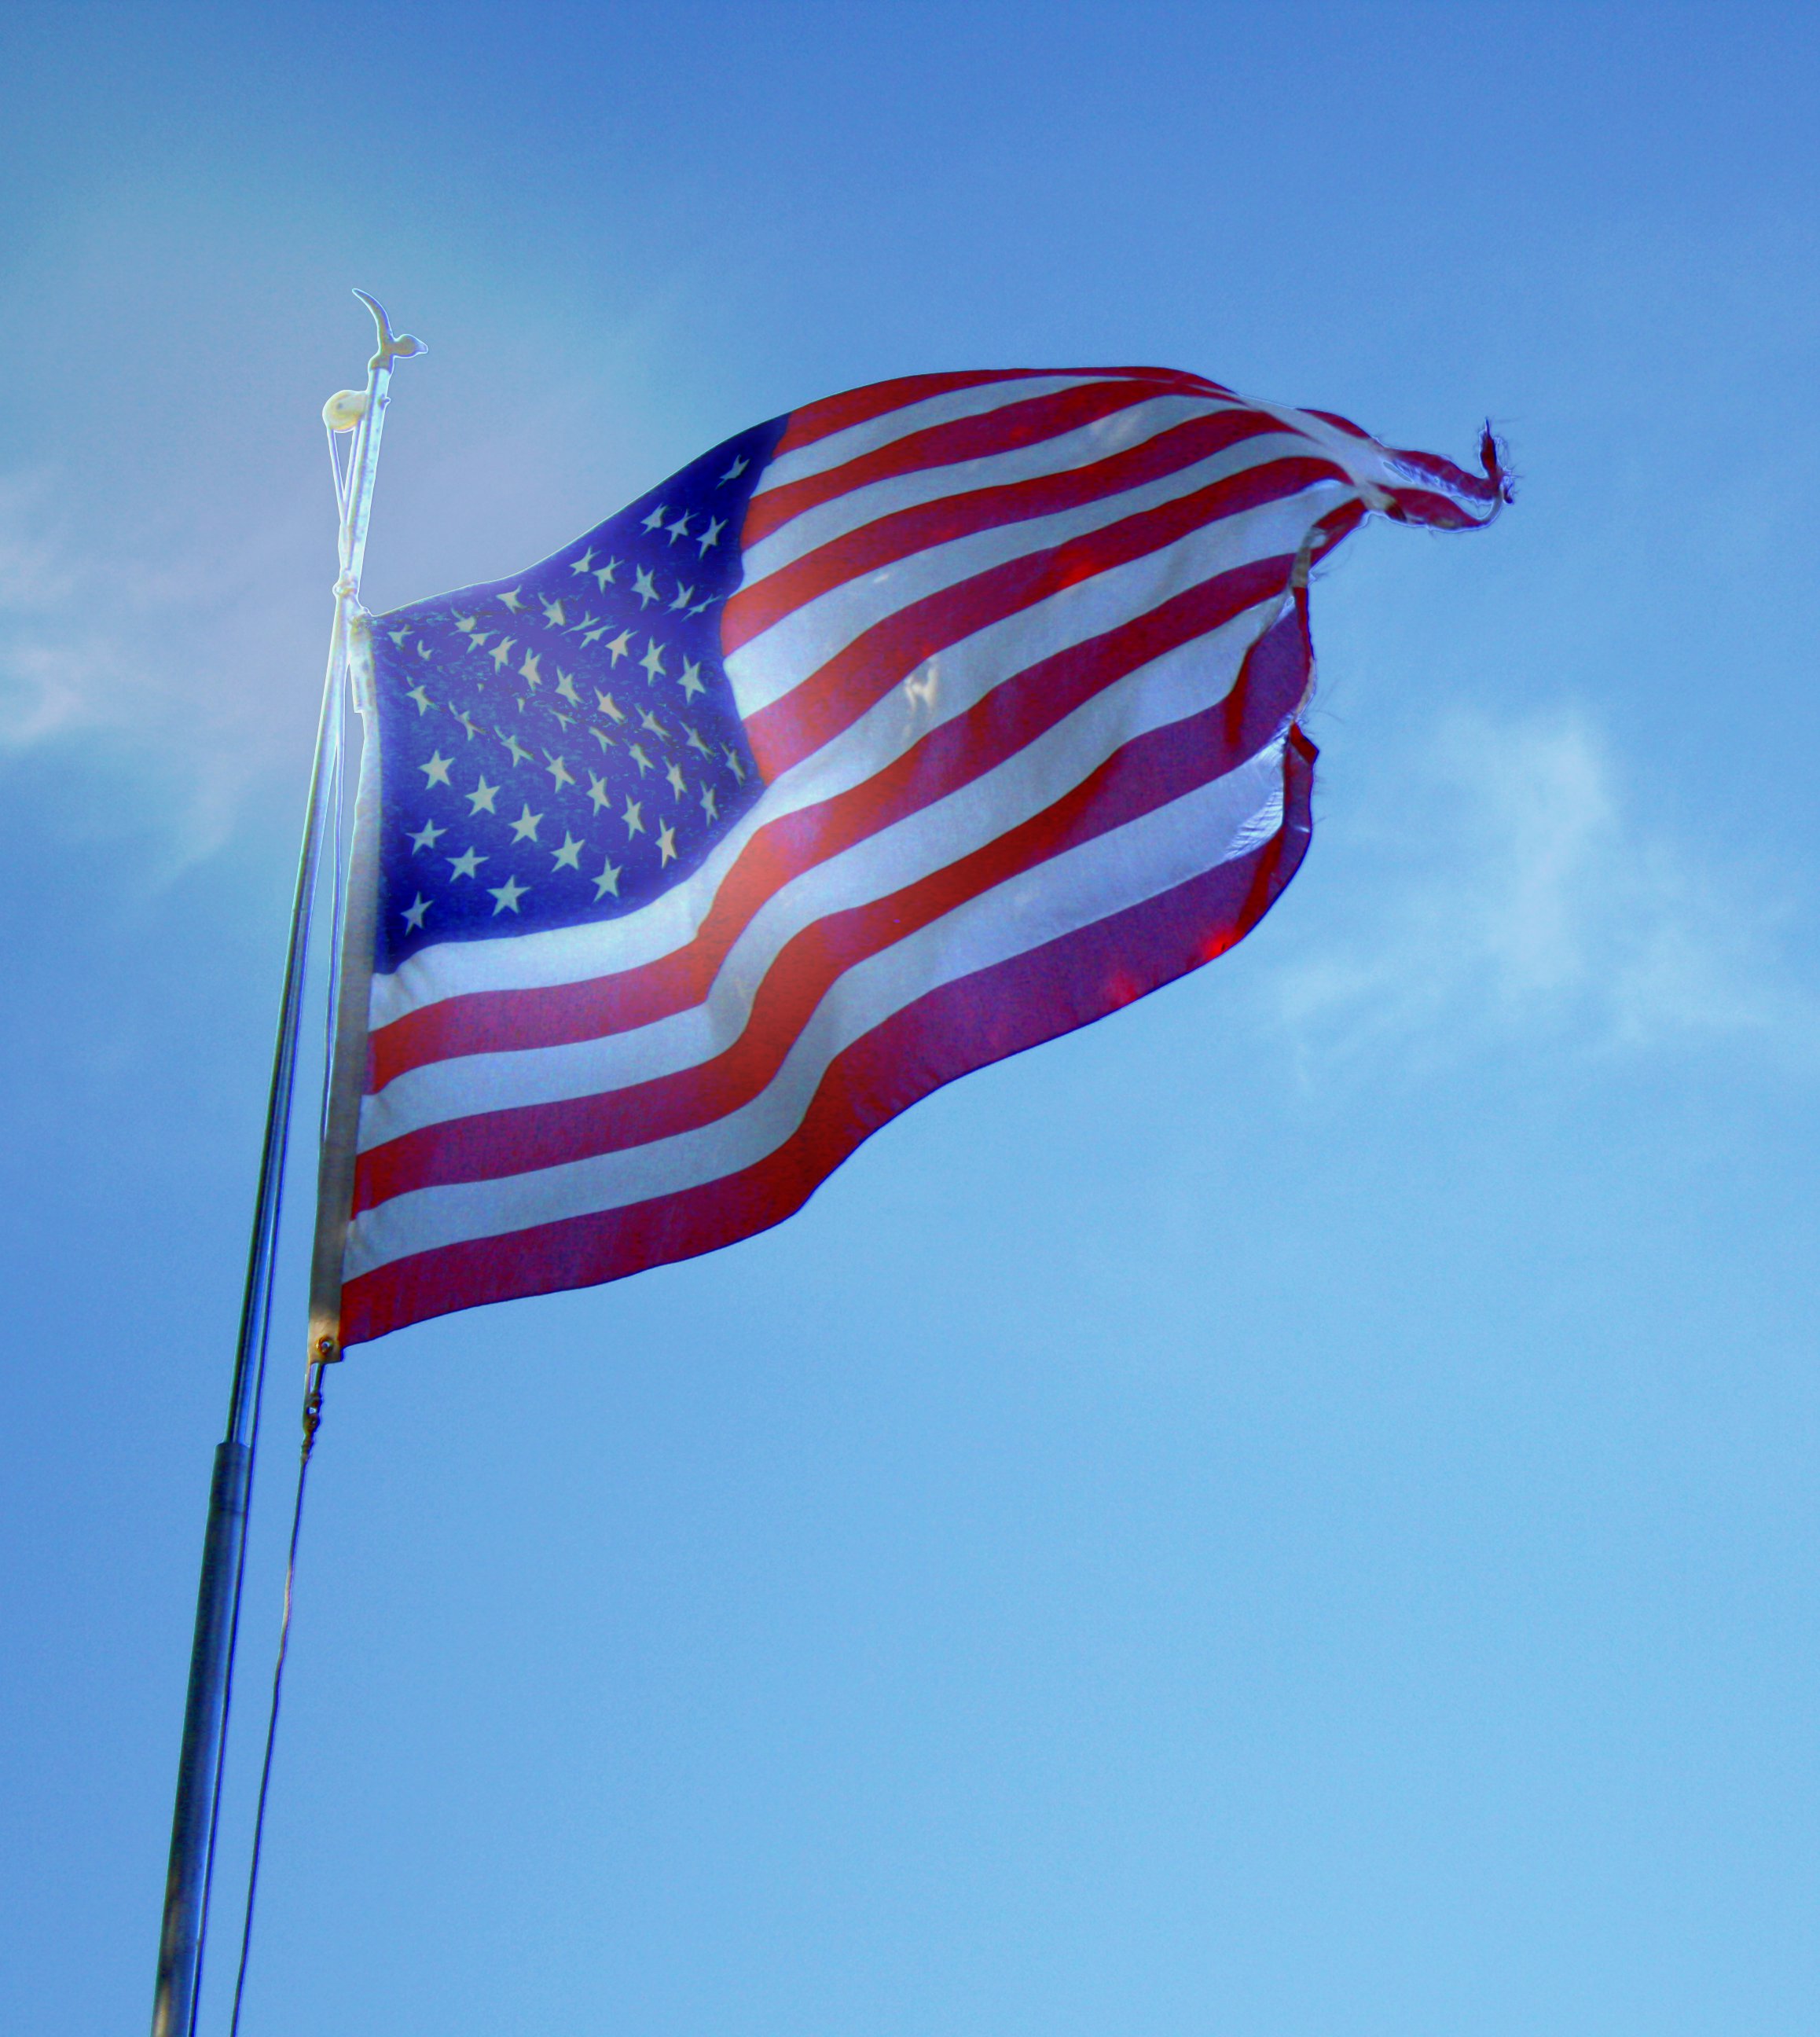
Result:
{"points": [[888, 739]]}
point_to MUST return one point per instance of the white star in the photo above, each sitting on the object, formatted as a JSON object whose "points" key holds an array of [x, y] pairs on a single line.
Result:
{"points": [[633, 817], [609, 573], [465, 864], [584, 564], [436, 771], [427, 837], [593, 636], [653, 726], [559, 773], [511, 601], [481, 798], [654, 520], [666, 846], [691, 679], [524, 828], [734, 764], [597, 792], [465, 624], [684, 595], [709, 805], [508, 894], [398, 636], [601, 736], [424, 651], [566, 686], [695, 741], [607, 881], [531, 670], [423, 700], [711, 534], [467, 721], [637, 753], [501, 651], [479, 639], [680, 527], [702, 607], [652, 661], [610, 705], [569, 856], [620, 645], [414, 913], [552, 613], [734, 471], [518, 753], [673, 771], [644, 585]]}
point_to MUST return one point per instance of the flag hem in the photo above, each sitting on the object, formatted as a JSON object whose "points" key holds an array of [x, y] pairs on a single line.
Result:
{"points": [[346, 1079]]}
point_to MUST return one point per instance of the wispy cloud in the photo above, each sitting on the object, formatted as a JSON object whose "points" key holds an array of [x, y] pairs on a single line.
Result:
{"points": [[115, 653], [163, 631], [44, 677], [1521, 888]]}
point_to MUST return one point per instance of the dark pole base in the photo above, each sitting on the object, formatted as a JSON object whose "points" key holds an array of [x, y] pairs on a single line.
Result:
{"points": [[174, 2006]]}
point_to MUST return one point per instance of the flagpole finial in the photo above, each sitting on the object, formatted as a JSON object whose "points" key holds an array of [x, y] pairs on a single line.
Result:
{"points": [[399, 346], [361, 414], [344, 410]]}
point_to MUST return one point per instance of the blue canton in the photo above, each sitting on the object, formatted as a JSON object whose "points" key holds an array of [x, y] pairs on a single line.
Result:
{"points": [[564, 747]]}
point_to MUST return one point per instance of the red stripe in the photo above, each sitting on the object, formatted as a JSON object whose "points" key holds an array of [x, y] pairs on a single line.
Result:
{"points": [[964, 1026], [858, 406], [1345, 424], [1020, 709], [840, 691], [755, 608], [1028, 421], [1486, 487], [1434, 512], [1148, 773]]}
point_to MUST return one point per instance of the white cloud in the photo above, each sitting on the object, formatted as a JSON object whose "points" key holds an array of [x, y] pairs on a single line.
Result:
{"points": [[171, 666], [1518, 889], [33, 576], [43, 676], [165, 630]]}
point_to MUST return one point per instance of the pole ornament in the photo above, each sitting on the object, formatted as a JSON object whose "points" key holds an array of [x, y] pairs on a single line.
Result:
{"points": [[392, 347]]}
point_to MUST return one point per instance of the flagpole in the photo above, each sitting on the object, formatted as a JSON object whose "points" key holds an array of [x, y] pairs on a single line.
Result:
{"points": [[224, 1541]]}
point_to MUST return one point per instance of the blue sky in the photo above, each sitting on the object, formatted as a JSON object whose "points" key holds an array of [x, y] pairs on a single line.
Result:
{"points": [[1291, 1512]]}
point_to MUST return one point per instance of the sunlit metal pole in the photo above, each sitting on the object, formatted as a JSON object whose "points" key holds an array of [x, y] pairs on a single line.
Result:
{"points": [[224, 1541]]}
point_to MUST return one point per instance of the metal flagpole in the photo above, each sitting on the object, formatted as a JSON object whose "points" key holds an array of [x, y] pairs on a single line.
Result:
{"points": [[224, 1541]]}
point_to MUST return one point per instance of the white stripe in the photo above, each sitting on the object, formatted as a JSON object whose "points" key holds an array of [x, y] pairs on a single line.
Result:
{"points": [[1216, 824], [798, 645], [1183, 683], [942, 687], [857, 439], [1371, 467], [1083, 446]]}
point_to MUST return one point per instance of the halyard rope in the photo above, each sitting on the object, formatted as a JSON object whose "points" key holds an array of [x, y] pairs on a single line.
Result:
{"points": [[312, 1421]]}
